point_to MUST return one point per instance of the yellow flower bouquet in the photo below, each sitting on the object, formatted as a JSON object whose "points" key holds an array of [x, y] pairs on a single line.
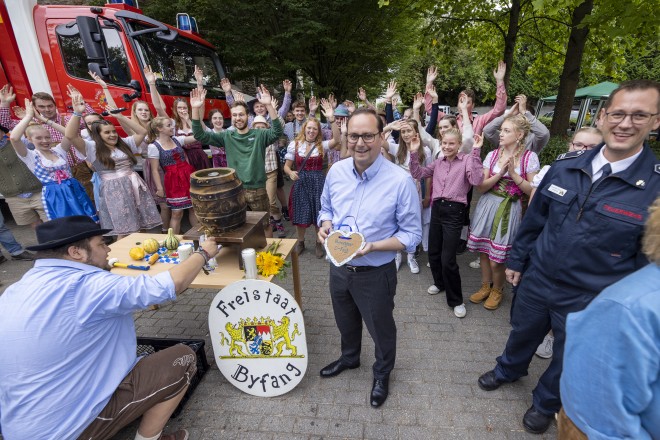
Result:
{"points": [[270, 262]]}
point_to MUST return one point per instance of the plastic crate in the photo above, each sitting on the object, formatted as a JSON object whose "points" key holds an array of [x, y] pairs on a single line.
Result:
{"points": [[147, 346]]}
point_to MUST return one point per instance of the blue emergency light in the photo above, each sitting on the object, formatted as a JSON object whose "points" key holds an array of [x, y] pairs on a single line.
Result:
{"points": [[124, 2], [183, 22]]}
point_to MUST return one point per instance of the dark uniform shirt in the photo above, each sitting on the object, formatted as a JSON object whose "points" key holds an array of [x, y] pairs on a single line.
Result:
{"points": [[587, 236]]}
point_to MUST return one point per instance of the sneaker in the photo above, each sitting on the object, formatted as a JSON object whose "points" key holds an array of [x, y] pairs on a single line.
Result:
{"points": [[412, 264], [285, 214], [272, 224], [460, 311], [279, 229], [181, 434], [462, 247], [397, 261], [432, 290], [545, 349], [476, 264], [428, 264], [23, 256]]}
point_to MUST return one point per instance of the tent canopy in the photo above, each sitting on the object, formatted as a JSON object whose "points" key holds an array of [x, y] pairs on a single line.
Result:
{"points": [[595, 91]]}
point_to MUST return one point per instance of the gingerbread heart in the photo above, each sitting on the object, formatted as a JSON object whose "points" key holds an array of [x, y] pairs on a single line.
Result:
{"points": [[342, 246]]}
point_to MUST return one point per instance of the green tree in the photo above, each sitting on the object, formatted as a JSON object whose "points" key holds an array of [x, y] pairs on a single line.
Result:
{"points": [[339, 45]]}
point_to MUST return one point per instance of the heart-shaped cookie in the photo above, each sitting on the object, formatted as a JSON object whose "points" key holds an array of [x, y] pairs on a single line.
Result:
{"points": [[342, 246]]}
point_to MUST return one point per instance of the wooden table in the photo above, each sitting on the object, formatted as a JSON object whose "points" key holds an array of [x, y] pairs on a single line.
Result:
{"points": [[226, 273]]}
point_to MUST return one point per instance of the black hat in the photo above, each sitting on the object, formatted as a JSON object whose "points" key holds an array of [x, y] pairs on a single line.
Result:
{"points": [[65, 230]]}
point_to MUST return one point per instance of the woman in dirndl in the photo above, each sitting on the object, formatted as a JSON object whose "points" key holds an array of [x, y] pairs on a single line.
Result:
{"points": [[167, 150], [308, 152], [508, 171], [62, 195]]}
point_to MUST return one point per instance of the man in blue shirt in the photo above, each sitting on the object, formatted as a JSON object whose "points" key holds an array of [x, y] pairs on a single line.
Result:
{"points": [[370, 195], [610, 386], [69, 367]]}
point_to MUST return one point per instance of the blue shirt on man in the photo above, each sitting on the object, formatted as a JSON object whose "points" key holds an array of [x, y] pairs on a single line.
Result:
{"points": [[610, 387], [380, 204], [68, 340]]}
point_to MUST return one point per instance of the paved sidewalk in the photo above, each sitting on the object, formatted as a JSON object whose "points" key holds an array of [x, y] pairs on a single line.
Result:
{"points": [[433, 389]]}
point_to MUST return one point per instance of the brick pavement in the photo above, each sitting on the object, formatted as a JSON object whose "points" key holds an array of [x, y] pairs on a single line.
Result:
{"points": [[433, 390]]}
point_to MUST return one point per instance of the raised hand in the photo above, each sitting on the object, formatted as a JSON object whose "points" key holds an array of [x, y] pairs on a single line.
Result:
{"points": [[238, 97], [362, 95], [430, 89], [343, 126], [98, 79], [197, 98], [431, 74], [29, 109], [499, 72], [415, 143], [397, 125], [72, 91], [226, 85], [522, 103], [515, 109], [395, 101], [418, 101], [18, 111], [199, 76], [462, 103], [333, 100], [478, 141], [350, 106], [391, 91], [288, 86], [149, 75], [327, 110], [7, 95], [264, 95], [313, 105], [275, 103], [77, 102]]}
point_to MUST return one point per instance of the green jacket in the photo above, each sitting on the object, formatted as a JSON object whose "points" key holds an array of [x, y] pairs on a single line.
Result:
{"points": [[15, 177]]}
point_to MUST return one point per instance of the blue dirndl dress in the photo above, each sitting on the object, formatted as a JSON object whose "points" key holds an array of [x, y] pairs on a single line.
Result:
{"points": [[62, 195]]}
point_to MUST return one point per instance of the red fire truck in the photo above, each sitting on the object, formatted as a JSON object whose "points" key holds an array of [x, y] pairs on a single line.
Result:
{"points": [[46, 47]]}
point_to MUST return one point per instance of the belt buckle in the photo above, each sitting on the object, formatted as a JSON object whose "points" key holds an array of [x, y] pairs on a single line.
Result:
{"points": [[351, 268]]}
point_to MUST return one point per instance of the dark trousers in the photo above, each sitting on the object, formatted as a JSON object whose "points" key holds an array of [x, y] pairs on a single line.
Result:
{"points": [[541, 304], [368, 296], [466, 220], [444, 235]]}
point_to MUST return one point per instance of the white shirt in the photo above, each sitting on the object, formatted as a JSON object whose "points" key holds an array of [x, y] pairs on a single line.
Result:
{"points": [[618, 166]]}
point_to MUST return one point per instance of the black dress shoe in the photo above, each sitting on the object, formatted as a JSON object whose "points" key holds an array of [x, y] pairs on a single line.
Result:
{"points": [[335, 368], [2, 259], [535, 421], [462, 247], [489, 381], [379, 392], [23, 256]]}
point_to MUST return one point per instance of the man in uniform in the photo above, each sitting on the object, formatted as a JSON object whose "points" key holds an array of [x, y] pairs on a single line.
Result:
{"points": [[372, 196], [580, 235]]}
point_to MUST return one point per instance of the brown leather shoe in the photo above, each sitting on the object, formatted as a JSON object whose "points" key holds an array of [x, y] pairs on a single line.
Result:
{"points": [[494, 299], [181, 434], [481, 294]]}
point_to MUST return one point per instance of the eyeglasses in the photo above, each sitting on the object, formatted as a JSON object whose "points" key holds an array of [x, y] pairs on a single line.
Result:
{"points": [[636, 118], [367, 137], [581, 146]]}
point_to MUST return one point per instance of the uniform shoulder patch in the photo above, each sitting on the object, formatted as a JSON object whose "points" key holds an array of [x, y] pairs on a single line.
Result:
{"points": [[570, 155], [657, 168]]}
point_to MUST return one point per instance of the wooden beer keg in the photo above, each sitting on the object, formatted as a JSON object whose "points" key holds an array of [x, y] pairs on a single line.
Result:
{"points": [[218, 199]]}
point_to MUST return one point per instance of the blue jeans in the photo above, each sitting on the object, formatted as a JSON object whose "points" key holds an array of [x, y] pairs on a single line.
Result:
{"points": [[7, 239]]}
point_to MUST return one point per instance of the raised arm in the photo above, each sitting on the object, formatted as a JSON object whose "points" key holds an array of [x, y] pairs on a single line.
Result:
{"points": [[328, 112], [19, 130], [46, 121], [206, 137], [362, 94], [286, 102], [433, 119], [199, 79], [72, 131], [139, 132], [226, 87], [7, 96], [467, 129], [156, 99], [417, 105], [416, 170]]}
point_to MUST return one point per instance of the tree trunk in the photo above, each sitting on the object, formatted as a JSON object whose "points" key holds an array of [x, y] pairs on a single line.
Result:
{"points": [[510, 39], [570, 74]]}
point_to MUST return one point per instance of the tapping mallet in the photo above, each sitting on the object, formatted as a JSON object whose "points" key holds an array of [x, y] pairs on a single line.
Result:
{"points": [[114, 262]]}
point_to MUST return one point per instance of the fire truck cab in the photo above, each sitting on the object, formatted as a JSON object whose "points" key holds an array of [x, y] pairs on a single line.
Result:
{"points": [[46, 47]]}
